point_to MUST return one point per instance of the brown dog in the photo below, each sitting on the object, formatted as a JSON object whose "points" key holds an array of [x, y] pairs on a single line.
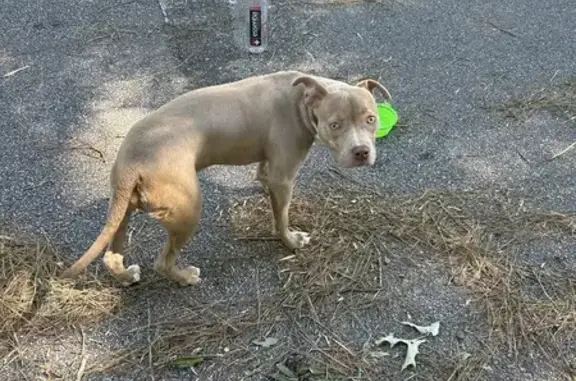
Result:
{"points": [[270, 119]]}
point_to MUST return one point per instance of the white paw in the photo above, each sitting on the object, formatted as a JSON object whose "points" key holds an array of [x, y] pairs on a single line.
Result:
{"points": [[297, 240], [194, 270], [191, 276], [132, 275]]}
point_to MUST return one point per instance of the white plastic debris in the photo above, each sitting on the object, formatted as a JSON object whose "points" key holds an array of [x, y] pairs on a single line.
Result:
{"points": [[431, 329], [411, 352]]}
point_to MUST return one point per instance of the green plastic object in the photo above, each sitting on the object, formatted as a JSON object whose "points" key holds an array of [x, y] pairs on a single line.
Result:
{"points": [[388, 118]]}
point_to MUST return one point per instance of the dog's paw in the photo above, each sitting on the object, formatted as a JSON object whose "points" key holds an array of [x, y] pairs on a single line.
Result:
{"points": [[131, 276], [296, 239], [189, 276]]}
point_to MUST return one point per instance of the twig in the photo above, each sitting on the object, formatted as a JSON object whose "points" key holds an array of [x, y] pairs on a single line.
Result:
{"points": [[259, 300], [380, 271], [501, 29], [524, 159], [563, 151], [150, 364], [80, 373], [90, 148], [162, 8], [13, 72], [81, 147], [452, 62]]}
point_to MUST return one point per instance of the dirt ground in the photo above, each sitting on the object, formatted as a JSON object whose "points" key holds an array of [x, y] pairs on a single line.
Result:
{"points": [[466, 219]]}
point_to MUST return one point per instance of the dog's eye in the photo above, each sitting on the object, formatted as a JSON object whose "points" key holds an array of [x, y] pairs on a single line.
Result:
{"points": [[334, 125], [371, 119]]}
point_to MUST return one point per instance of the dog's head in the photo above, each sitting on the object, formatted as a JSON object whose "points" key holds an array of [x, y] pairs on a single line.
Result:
{"points": [[346, 118]]}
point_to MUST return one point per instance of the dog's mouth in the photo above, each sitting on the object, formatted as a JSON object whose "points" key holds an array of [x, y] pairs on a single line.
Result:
{"points": [[364, 164], [348, 162]]}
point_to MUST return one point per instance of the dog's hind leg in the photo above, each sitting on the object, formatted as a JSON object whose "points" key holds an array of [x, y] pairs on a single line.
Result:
{"points": [[180, 218], [114, 260]]}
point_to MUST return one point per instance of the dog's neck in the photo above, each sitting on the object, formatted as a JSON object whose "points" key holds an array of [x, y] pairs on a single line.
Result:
{"points": [[309, 118]]}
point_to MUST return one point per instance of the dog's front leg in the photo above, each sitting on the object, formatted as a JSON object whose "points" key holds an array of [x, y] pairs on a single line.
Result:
{"points": [[280, 197]]}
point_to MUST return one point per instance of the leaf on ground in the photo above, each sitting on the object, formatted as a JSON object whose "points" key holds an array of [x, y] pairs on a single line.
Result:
{"points": [[411, 352], [267, 342], [431, 329], [378, 354], [188, 362], [390, 339]]}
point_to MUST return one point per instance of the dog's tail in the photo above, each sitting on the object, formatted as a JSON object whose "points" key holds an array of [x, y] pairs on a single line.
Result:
{"points": [[116, 213]]}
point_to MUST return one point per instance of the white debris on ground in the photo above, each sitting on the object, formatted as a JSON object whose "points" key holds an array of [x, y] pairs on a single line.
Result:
{"points": [[267, 342], [431, 329], [412, 344]]}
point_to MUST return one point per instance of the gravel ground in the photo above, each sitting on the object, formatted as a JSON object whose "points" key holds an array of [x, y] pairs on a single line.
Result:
{"points": [[90, 69]]}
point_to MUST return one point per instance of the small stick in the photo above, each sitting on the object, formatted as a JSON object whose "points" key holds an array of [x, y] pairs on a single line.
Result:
{"points": [[563, 151], [80, 373], [501, 29], [257, 276], [13, 72], [380, 276], [163, 10], [150, 363]]}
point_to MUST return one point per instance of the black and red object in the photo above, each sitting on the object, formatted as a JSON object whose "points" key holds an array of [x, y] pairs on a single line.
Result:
{"points": [[255, 26]]}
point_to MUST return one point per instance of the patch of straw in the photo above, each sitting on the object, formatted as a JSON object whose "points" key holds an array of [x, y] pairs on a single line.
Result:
{"points": [[559, 99], [34, 299], [475, 234], [69, 304], [202, 331]]}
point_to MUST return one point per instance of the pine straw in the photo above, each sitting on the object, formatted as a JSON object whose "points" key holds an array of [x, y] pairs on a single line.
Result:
{"points": [[202, 332], [34, 300], [559, 99], [475, 234]]}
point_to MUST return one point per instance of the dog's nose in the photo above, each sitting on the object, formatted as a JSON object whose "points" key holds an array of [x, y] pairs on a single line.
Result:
{"points": [[361, 153]]}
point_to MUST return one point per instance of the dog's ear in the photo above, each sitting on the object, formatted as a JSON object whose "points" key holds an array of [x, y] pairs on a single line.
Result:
{"points": [[314, 92], [370, 85]]}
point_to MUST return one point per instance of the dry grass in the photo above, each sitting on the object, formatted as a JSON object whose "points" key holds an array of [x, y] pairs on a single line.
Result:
{"points": [[34, 299], [200, 332], [475, 234], [560, 100]]}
